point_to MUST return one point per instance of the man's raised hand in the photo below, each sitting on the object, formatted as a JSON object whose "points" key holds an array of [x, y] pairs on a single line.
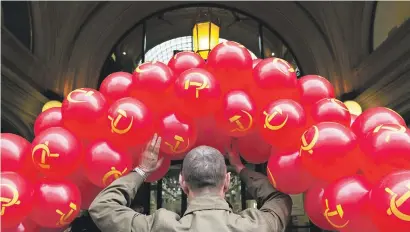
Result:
{"points": [[234, 158], [149, 158]]}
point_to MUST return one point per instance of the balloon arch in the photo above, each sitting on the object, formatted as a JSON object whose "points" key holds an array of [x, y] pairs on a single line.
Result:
{"points": [[353, 169]]}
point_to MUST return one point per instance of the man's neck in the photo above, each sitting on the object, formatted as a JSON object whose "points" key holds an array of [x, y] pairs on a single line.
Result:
{"points": [[205, 192]]}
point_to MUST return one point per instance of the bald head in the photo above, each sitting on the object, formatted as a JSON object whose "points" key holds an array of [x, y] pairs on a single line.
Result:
{"points": [[204, 168]]}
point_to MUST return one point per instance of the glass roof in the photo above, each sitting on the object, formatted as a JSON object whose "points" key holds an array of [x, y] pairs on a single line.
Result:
{"points": [[165, 51]]}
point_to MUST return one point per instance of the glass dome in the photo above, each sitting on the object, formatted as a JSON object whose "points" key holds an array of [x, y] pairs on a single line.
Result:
{"points": [[163, 52]]}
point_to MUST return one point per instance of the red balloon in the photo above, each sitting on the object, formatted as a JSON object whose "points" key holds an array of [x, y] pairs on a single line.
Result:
{"points": [[345, 204], [275, 79], [55, 152], [130, 122], [231, 64], [237, 115], [116, 86], [153, 76], [25, 226], [56, 203], [82, 107], [160, 172], [183, 61], [328, 151], [313, 88], [210, 135], [274, 73], [255, 62], [198, 92], [88, 190], [16, 199], [16, 155], [49, 118], [152, 82], [284, 123], [374, 117], [385, 149], [88, 194], [313, 207], [253, 148], [352, 119], [178, 134], [105, 163], [286, 174], [390, 203], [331, 110]]}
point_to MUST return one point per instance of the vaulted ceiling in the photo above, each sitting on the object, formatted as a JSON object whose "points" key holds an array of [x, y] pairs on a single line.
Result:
{"points": [[72, 40]]}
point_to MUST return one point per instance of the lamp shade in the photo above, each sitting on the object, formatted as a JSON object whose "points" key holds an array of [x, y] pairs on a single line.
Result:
{"points": [[353, 107], [205, 36], [51, 104]]}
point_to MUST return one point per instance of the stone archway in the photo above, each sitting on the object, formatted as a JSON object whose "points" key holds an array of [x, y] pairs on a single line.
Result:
{"points": [[80, 65]]}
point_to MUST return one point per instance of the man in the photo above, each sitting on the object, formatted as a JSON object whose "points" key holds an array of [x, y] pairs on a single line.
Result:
{"points": [[205, 180]]}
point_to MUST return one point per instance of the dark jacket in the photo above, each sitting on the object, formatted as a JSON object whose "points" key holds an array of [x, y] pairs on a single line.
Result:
{"points": [[111, 213]]}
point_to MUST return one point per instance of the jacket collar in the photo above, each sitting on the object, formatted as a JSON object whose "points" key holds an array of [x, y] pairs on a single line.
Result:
{"points": [[207, 202]]}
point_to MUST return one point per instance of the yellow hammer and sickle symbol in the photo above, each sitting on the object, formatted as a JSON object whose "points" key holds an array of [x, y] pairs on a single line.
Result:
{"points": [[113, 172], [272, 178], [65, 217], [86, 93], [392, 130], [44, 153], [338, 211], [395, 204], [269, 118], [179, 140], [236, 43], [339, 104], [309, 146], [114, 123], [139, 70], [7, 202], [199, 86], [239, 125], [289, 68]]}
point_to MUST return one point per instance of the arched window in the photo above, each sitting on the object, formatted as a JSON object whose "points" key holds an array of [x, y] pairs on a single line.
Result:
{"points": [[389, 15], [163, 52]]}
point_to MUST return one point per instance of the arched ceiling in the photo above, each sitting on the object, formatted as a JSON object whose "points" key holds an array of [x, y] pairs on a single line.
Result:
{"points": [[90, 41], [177, 23]]}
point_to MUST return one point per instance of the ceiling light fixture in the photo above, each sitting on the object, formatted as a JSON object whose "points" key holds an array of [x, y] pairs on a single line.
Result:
{"points": [[205, 33]]}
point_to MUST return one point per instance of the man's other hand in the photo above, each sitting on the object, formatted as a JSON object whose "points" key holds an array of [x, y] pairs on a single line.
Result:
{"points": [[149, 158], [234, 158]]}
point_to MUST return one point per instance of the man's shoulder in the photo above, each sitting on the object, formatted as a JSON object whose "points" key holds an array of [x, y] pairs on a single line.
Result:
{"points": [[256, 216], [248, 220], [167, 214], [164, 220]]}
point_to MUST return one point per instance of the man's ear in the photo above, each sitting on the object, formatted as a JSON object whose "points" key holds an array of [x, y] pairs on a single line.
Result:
{"points": [[227, 182], [183, 185]]}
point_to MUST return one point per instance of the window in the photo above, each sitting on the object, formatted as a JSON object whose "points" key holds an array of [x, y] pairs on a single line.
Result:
{"points": [[165, 51], [389, 16]]}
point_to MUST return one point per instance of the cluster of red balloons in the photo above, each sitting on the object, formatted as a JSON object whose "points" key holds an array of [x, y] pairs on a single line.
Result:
{"points": [[353, 169]]}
